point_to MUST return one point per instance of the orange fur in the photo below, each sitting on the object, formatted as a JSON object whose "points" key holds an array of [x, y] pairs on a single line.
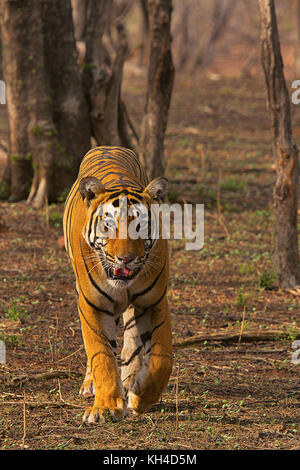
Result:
{"points": [[106, 171]]}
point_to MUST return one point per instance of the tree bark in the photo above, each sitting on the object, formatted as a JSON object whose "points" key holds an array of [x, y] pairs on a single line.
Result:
{"points": [[53, 109], [80, 11], [144, 30], [4, 158], [48, 118], [297, 44], [40, 126], [102, 77], [221, 16], [1, 70], [159, 89], [69, 107], [182, 35], [286, 257], [15, 22]]}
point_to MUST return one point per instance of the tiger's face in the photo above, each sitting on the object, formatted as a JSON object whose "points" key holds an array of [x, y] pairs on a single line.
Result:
{"points": [[118, 226]]}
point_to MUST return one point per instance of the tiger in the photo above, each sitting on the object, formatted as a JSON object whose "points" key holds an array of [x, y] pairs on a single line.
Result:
{"points": [[116, 277]]}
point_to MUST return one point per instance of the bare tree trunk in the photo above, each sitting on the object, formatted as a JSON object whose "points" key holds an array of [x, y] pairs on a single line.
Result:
{"points": [[160, 85], [297, 44], [41, 129], [1, 70], [15, 22], [183, 33], [4, 158], [145, 30], [69, 107], [221, 16], [49, 128], [80, 11], [102, 77], [286, 256]]}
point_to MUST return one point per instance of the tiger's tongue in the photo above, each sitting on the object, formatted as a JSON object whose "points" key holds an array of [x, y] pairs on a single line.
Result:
{"points": [[122, 272]]}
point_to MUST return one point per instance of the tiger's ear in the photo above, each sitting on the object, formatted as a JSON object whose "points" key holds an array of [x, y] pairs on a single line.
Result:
{"points": [[158, 189], [90, 188]]}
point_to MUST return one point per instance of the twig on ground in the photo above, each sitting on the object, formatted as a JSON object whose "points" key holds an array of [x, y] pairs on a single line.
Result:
{"points": [[231, 336], [294, 291], [64, 401], [21, 379], [39, 404], [72, 354]]}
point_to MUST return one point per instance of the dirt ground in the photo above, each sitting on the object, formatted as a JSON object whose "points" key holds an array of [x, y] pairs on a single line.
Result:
{"points": [[222, 394]]}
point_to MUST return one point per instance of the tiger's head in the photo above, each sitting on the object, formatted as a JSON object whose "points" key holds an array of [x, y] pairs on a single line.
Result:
{"points": [[119, 223]]}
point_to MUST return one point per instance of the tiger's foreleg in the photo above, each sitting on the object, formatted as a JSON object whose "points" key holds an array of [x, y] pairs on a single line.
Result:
{"points": [[132, 351], [99, 335], [153, 376]]}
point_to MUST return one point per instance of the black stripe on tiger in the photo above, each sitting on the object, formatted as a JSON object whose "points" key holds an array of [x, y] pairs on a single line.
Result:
{"points": [[148, 335], [145, 291], [90, 226], [102, 292], [69, 222], [132, 321], [133, 355], [145, 337], [150, 306], [95, 307], [99, 334]]}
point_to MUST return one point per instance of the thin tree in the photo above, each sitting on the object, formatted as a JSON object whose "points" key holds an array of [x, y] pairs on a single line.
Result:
{"points": [[220, 18], [68, 105], [1, 71], [159, 89], [15, 67], [181, 31], [297, 42], [144, 29], [103, 69], [286, 257]]}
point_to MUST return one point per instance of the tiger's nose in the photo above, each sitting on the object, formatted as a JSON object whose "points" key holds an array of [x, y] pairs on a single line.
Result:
{"points": [[125, 259]]}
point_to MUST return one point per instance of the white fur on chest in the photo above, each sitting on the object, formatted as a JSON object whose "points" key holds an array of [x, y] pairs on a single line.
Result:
{"points": [[118, 291]]}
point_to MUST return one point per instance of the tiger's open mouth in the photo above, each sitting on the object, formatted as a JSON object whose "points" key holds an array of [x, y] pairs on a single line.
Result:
{"points": [[114, 272], [122, 273]]}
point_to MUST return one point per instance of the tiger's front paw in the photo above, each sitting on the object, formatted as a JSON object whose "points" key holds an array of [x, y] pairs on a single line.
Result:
{"points": [[112, 412]]}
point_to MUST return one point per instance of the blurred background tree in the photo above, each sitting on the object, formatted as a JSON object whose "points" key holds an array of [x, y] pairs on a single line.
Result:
{"points": [[285, 193], [47, 114], [159, 89], [63, 66]]}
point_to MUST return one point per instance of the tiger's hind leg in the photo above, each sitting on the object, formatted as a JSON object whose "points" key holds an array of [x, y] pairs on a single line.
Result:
{"points": [[87, 388], [154, 327], [132, 351]]}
